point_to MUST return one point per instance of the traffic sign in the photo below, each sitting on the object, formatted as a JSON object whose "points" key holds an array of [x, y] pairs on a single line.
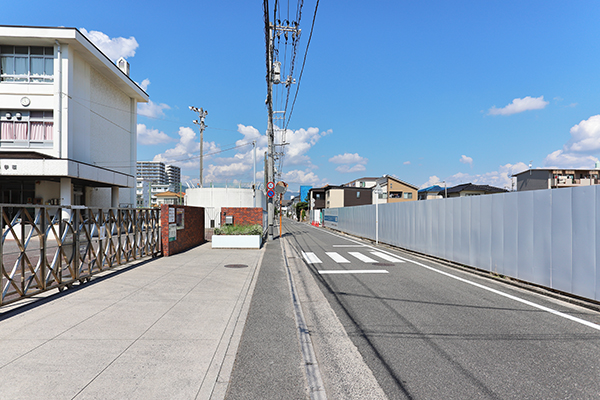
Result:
{"points": [[270, 185], [270, 193]]}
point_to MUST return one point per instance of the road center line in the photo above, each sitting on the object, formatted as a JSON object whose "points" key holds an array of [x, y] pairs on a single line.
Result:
{"points": [[489, 289]]}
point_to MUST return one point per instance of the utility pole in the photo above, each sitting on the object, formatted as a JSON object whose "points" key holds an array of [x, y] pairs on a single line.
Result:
{"points": [[200, 121], [274, 77]]}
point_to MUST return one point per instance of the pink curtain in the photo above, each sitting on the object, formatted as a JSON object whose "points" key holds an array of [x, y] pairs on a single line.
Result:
{"points": [[7, 130], [21, 130], [37, 131], [48, 127]]}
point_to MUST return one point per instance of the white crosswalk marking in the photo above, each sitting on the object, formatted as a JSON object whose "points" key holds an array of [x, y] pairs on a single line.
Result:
{"points": [[338, 258], [361, 257], [386, 257], [311, 258]]}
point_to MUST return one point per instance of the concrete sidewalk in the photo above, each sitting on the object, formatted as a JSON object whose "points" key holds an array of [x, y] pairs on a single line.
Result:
{"points": [[162, 329]]}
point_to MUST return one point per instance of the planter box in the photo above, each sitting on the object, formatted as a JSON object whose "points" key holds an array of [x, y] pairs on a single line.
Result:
{"points": [[236, 241]]}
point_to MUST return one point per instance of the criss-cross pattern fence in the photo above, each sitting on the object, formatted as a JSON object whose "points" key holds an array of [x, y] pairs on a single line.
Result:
{"points": [[52, 247]]}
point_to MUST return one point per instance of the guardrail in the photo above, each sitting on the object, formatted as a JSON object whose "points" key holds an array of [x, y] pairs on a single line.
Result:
{"points": [[52, 247]]}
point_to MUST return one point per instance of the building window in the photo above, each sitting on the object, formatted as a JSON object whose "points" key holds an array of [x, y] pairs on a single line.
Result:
{"points": [[407, 195], [25, 128], [26, 64], [357, 195], [362, 184]]}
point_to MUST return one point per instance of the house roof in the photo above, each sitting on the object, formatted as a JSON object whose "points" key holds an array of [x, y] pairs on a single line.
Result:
{"points": [[169, 194], [46, 36], [475, 188], [385, 178], [434, 188]]}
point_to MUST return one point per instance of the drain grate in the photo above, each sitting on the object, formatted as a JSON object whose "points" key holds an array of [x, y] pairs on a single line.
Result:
{"points": [[383, 264], [236, 266]]}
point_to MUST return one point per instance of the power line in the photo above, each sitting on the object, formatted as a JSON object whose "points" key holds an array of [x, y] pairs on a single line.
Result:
{"points": [[303, 63]]}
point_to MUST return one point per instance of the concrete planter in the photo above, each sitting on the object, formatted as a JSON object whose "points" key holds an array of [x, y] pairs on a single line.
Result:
{"points": [[236, 241]]}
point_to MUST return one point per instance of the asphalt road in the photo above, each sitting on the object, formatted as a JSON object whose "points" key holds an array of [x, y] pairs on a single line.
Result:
{"points": [[429, 331]]}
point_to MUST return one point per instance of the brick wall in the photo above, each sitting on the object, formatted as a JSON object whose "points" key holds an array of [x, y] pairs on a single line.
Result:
{"points": [[243, 215], [190, 236]]}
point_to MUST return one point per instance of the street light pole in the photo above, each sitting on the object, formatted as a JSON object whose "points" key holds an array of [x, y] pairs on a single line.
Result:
{"points": [[200, 121]]}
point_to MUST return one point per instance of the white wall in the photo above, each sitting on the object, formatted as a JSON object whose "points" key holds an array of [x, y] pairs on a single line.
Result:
{"points": [[212, 199], [548, 237]]}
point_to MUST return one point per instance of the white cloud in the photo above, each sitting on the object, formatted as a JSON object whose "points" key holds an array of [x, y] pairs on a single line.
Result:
{"points": [[347, 169], [152, 110], [520, 105], [578, 151], [236, 165], [147, 136], [348, 158], [466, 160], [302, 178], [300, 142], [433, 180], [585, 136], [114, 48], [144, 85], [406, 163], [186, 152], [562, 159]]}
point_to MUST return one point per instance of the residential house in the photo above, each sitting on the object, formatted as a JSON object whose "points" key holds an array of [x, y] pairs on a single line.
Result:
{"points": [[362, 183], [68, 120], [431, 192], [468, 189], [553, 178], [169, 197], [394, 190]]}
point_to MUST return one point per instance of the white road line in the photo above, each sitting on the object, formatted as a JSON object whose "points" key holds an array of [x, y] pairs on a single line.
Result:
{"points": [[338, 258], [311, 258], [489, 289], [386, 257], [356, 271], [361, 257], [348, 245]]}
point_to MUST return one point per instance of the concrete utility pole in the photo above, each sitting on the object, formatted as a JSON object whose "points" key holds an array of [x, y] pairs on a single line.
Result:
{"points": [[200, 121], [274, 77]]}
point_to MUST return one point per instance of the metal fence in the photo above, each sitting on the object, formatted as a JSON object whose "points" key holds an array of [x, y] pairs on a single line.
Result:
{"points": [[47, 247], [547, 237]]}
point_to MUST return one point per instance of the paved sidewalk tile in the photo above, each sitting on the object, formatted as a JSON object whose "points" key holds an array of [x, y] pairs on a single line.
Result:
{"points": [[166, 328]]}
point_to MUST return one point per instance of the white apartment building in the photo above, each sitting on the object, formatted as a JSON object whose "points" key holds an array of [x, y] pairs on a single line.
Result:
{"points": [[173, 178], [68, 118]]}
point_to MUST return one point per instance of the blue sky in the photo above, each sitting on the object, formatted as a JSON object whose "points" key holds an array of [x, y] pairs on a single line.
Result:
{"points": [[461, 91]]}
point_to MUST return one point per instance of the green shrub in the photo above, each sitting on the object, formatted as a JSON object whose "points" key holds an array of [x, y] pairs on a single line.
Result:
{"points": [[238, 230]]}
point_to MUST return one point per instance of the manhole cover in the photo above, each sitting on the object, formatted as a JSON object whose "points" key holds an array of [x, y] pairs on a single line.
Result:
{"points": [[236, 266], [383, 264]]}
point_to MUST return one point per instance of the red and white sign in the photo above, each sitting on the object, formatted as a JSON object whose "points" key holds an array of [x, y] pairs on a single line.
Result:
{"points": [[270, 185]]}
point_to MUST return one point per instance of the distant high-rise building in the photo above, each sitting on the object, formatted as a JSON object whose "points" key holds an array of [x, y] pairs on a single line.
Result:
{"points": [[174, 178], [152, 171]]}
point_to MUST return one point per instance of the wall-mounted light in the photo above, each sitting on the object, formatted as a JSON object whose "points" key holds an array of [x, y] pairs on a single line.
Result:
{"points": [[8, 115], [18, 115]]}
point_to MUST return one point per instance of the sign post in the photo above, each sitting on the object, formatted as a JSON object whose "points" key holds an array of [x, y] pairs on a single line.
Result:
{"points": [[377, 192], [281, 188]]}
